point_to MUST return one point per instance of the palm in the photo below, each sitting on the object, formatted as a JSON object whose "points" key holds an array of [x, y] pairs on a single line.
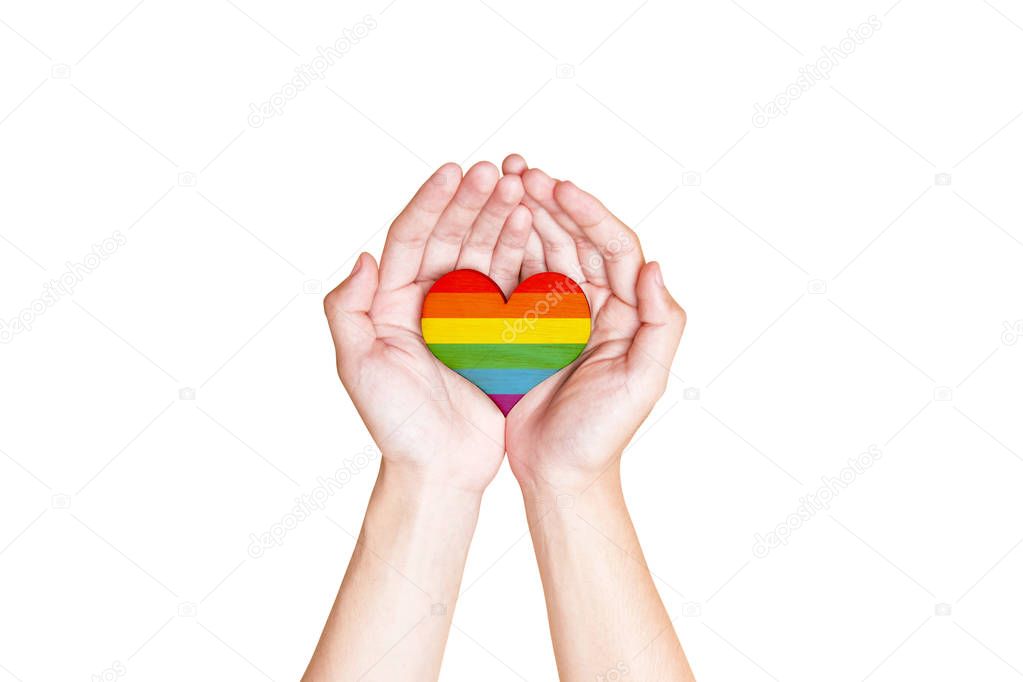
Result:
{"points": [[569, 430], [564, 423], [429, 411], [426, 419]]}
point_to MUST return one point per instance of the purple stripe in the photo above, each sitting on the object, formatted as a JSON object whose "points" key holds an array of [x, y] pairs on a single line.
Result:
{"points": [[506, 401]]}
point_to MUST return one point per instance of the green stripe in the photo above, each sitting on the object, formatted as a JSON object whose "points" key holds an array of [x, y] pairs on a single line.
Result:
{"points": [[506, 355]]}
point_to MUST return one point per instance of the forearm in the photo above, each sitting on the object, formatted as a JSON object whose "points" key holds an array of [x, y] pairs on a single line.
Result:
{"points": [[393, 613], [605, 613]]}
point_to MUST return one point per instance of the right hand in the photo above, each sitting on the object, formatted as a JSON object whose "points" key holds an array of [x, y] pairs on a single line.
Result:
{"points": [[432, 426]]}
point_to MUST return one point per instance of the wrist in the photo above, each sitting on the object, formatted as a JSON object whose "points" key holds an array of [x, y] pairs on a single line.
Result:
{"points": [[536, 476], [567, 527], [421, 530], [545, 495], [422, 493], [462, 467]]}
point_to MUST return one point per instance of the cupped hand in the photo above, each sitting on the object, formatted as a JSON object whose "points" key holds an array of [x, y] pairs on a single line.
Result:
{"points": [[570, 430], [430, 424]]}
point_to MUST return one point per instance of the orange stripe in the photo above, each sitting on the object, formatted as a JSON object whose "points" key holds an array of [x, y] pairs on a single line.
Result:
{"points": [[493, 305]]}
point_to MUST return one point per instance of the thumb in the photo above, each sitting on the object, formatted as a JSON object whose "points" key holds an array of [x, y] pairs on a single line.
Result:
{"points": [[347, 309], [661, 323]]}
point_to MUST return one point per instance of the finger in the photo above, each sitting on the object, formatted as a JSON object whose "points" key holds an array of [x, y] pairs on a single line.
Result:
{"points": [[618, 246], [558, 246], [533, 261], [347, 308], [445, 242], [540, 188], [662, 321], [513, 164], [510, 250], [478, 249], [407, 237]]}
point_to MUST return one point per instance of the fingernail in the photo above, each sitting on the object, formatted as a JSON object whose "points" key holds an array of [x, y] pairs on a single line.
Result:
{"points": [[657, 274], [358, 264]]}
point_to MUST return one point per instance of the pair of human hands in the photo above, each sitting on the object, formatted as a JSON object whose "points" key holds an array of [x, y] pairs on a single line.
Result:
{"points": [[438, 429]]}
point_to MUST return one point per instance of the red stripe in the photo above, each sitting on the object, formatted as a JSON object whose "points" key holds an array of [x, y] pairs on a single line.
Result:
{"points": [[549, 281], [465, 281], [470, 281]]}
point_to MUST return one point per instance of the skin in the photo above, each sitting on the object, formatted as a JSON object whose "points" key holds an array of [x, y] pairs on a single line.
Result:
{"points": [[443, 440], [604, 611]]}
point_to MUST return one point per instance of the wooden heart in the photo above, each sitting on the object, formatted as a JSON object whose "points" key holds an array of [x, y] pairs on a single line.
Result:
{"points": [[505, 347]]}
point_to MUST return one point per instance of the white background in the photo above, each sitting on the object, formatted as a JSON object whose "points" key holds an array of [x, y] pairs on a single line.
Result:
{"points": [[839, 297]]}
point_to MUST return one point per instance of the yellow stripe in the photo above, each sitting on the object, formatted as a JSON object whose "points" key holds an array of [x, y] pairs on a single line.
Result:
{"points": [[505, 330]]}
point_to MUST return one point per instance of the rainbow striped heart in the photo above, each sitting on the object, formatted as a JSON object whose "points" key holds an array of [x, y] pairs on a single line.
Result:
{"points": [[505, 347]]}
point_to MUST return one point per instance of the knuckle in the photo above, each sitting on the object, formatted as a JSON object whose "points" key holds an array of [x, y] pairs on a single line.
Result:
{"points": [[502, 270], [452, 236], [330, 303], [476, 242], [512, 240], [558, 245], [677, 314], [619, 247]]}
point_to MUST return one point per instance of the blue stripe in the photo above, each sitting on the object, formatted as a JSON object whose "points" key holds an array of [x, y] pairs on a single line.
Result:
{"points": [[496, 381]]}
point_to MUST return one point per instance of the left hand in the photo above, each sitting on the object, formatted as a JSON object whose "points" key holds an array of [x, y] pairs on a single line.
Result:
{"points": [[571, 429]]}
